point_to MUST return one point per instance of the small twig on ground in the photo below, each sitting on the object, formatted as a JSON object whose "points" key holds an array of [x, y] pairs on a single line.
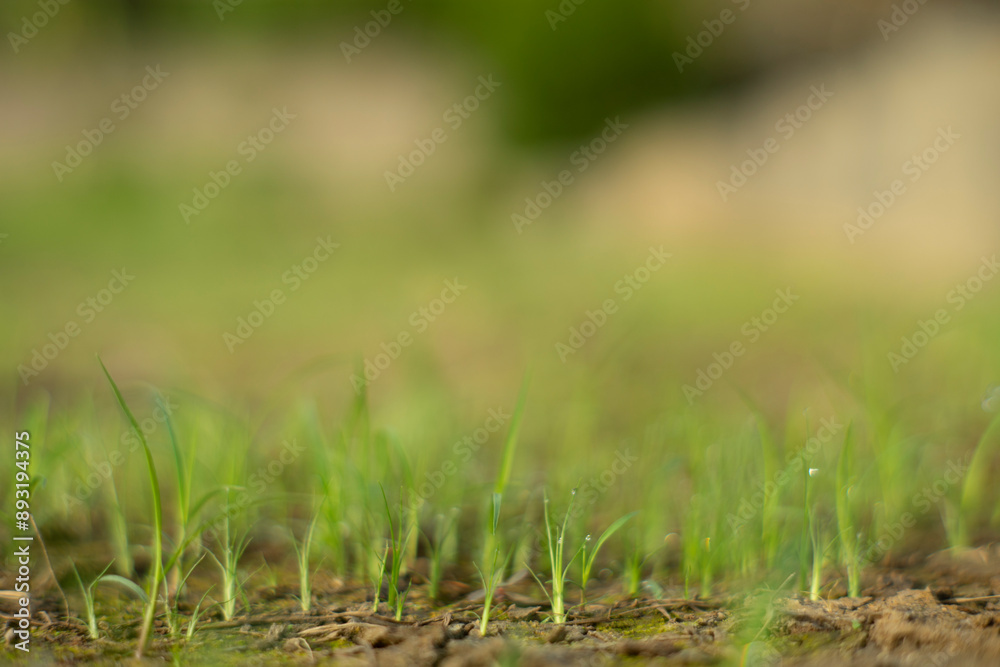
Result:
{"points": [[48, 564], [982, 598]]}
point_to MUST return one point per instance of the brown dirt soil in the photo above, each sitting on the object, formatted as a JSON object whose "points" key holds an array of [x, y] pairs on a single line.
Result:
{"points": [[942, 612]]}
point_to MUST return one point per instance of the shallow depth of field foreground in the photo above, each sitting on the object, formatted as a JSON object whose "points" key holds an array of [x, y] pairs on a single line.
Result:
{"points": [[443, 334]]}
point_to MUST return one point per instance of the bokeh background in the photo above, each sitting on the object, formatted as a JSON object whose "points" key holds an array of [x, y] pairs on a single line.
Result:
{"points": [[897, 74]]}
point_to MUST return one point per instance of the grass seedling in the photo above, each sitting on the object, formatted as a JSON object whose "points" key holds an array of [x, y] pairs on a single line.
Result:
{"points": [[88, 595], [232, 551], [816, 576], [183, 476], [588, 558], [697, 550], [491, 580], [444, 526], [506, 462], [812, 537], [397, 544], [977, 480], [186, 514], [755, 634], [850, 549], [380, 578], [193, 621], [118, 525], [145, 633], [302, 557], [769, 538], [633, 570], [635, 563], [491, 546], [556, 544], [173, 615]]}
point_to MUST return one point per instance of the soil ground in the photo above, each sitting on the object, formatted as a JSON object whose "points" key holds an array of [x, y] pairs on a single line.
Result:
{"points": [[939, 610]]}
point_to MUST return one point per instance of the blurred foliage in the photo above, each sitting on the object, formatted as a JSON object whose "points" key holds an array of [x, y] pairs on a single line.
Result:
{"points": [[604, 59]]}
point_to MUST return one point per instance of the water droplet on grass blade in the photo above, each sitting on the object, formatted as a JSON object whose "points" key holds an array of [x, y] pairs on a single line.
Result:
{"points": [[991, 399], [813, 472]]}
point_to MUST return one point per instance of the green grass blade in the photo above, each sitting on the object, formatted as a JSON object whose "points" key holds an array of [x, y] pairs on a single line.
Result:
{"points": [[147, 626], [608, 532], [845, 465], [497, 499], [510, 442], [127, 584], [182, 487], [977, 479]]}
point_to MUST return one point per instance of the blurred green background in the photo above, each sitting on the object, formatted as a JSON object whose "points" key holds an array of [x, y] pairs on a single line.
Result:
{"points": [[230, 65], [213, 149]]}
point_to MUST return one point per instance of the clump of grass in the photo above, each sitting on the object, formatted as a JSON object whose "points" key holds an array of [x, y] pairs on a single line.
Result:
{"points": [[636, 557], [186, 512], [755, 636], [634, 563], [492, 578], [397, 546], [977, 480], [156, 578], [172, 615], [89, 599], [233, 545], [302, 553], [697, 550], [770, 538], [196, 614], [379, 579], [850, 543], [491, 545], [118, 525], [507, 461], [444, 528], [810, 571], [555, 537]]}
